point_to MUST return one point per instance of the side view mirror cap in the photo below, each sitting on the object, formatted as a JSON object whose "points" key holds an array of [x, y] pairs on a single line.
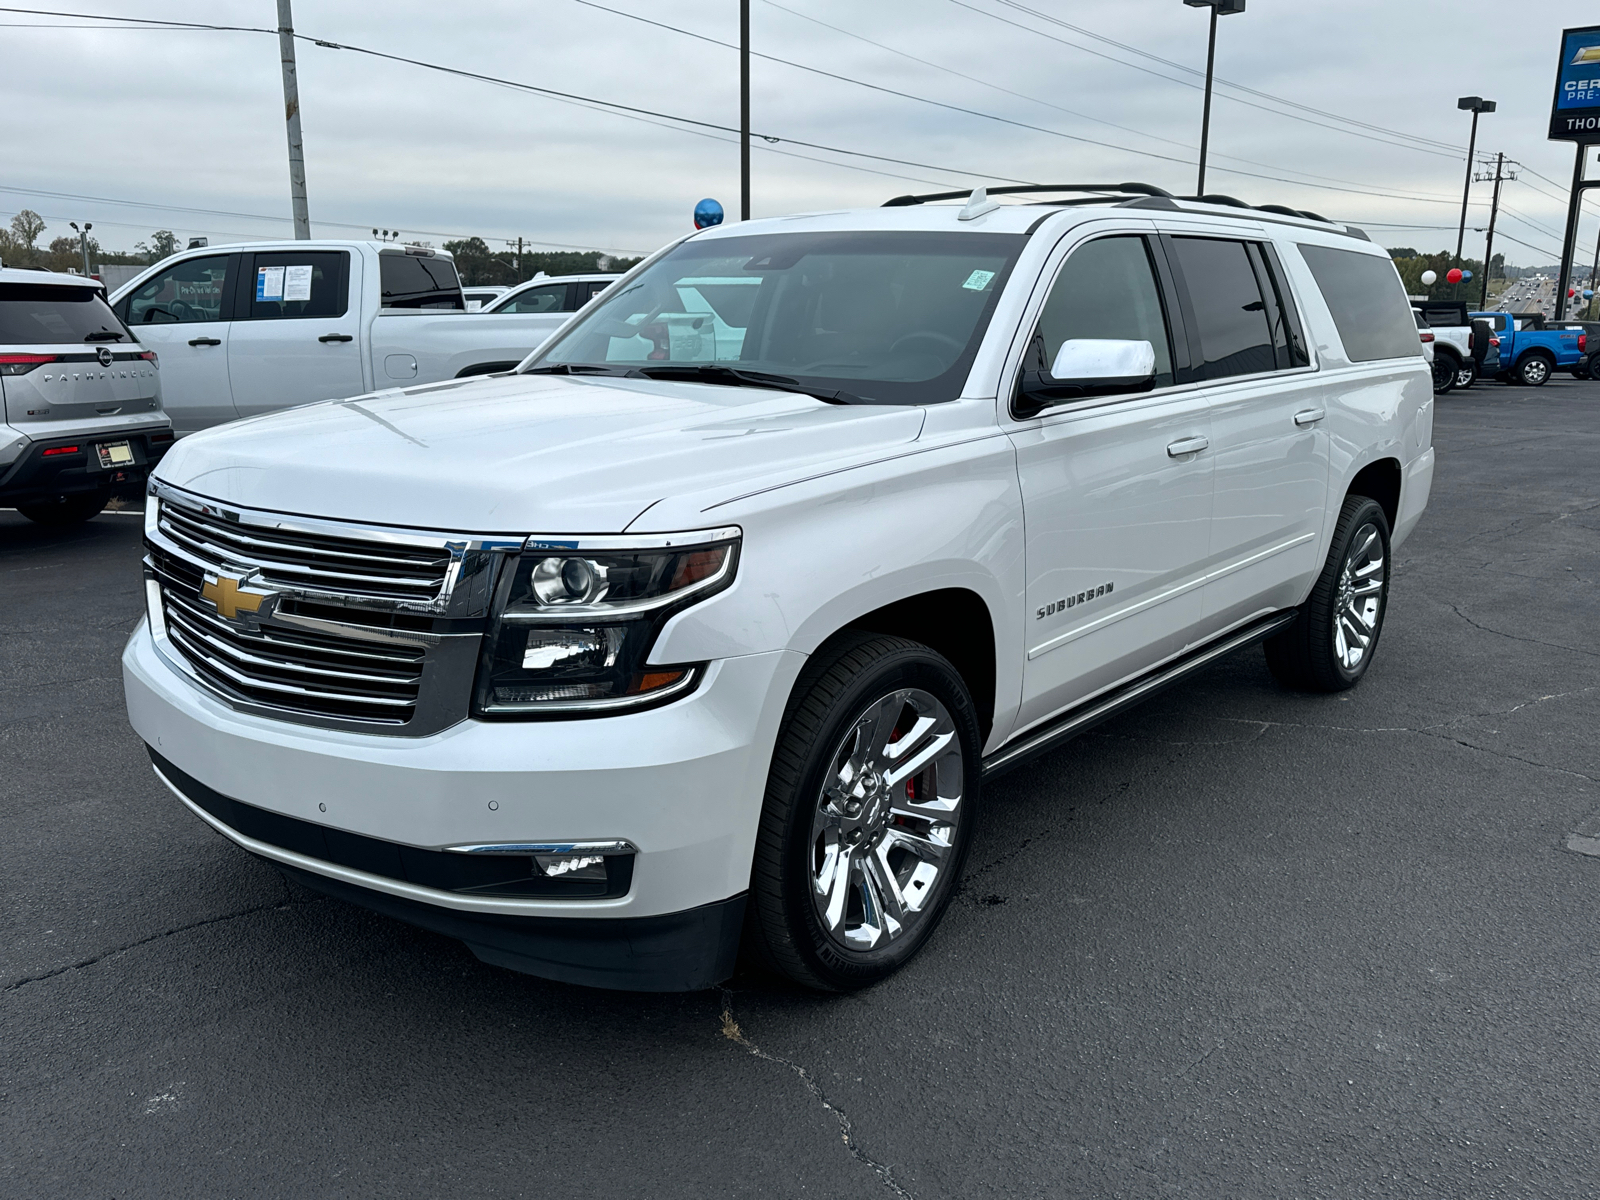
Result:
{"points": [[1088, 367]]}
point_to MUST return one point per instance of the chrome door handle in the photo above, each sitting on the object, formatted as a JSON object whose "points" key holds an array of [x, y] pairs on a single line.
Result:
{"points": [[336, 337], [1188, 445], [205, 341], [1309, 416]]}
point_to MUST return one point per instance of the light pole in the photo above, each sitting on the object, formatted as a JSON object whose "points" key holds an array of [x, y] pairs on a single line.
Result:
{"points": [[1475, 105], [744, 110], [83, 241], [1219, 8], [291, 112]]}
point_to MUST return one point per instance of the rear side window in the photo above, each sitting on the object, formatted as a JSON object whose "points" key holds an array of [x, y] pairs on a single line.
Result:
{"points": [[292, 283], [185, 293], [1230, 313], [539, 300], [1106, 289], [1368, 303], [37, 314], [411, 281]]}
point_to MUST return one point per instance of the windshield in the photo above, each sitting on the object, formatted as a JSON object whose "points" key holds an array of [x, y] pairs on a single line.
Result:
{"points": [[891, 318], [38, 314]]}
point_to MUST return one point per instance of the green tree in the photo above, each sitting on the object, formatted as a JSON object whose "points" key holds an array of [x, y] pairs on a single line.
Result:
{"points": [[163, 243], [26, 227]]}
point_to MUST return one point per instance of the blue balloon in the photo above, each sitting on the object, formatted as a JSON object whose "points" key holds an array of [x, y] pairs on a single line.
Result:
{"points": [[707, 213], [1588, 293], [1465, 275]]}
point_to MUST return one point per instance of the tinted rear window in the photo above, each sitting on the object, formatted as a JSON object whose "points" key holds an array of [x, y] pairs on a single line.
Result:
{"points": [[411, 281], [37, 314], [1229, 310], [295, 283], [1368, 303]]}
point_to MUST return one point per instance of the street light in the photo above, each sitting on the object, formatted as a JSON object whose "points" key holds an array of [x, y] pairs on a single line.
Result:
{"points": [[1474, 105], [1219, 8], [83, 241]]}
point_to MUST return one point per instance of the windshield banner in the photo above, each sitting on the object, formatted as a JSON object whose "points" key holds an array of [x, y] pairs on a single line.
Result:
{"points": [[1575, 116]]}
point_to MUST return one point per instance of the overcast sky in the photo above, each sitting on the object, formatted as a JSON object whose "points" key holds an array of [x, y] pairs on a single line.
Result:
{"points": [[193, 119]]}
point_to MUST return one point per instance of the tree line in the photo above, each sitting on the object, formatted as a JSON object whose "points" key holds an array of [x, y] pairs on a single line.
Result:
{"points": [[479, 266]]}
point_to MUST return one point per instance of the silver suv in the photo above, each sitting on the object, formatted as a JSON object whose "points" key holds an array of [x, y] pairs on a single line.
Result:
{"points": [[82, 399]]}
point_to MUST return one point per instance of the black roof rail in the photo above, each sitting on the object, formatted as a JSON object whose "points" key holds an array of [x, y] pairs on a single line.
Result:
{"points": [[1216, 198], [1132, 189]]}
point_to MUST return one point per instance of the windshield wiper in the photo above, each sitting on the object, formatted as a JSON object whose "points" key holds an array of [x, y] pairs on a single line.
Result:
{"points": [[737, 377], [573, 369], [103, 335]]}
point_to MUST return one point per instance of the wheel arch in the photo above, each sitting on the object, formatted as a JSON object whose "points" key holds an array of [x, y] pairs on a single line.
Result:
{"points": [[1380, 480]]}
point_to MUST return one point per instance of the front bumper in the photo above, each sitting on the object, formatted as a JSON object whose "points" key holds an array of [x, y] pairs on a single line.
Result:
{"points": [[683, 783]]}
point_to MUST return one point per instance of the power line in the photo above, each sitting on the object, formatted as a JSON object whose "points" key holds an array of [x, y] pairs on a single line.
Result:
{"points": [[1013, 4], [1186, 83], [1048, 103]]}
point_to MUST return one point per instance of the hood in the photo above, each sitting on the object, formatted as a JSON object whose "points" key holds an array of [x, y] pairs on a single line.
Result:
{"points": [[528, 453]]}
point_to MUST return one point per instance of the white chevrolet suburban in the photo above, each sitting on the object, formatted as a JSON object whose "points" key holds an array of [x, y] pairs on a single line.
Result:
{"points": [[253, 328], [711, 621], [80, 399]]}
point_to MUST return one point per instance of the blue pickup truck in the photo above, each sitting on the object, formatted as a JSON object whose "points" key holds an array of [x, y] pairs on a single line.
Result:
{"points": [[1529, 352]]}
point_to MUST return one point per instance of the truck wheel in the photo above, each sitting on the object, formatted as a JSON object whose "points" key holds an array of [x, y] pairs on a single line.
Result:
{"points": [[1534, 370], [871, 805], [1591, 368], [1466, 374], [1444, 373], [1331, 644], [64, 510]]}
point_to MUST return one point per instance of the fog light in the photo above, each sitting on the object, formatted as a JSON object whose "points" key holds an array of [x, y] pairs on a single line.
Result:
{"points": [[580, 868]]}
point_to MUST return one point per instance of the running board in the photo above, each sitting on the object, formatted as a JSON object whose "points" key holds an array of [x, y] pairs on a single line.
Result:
{"points": [[1090, 713]]}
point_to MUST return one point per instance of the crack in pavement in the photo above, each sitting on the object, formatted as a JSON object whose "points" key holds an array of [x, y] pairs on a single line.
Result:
{"points": [[154, 937], [731, 1031], [1517, 638]]}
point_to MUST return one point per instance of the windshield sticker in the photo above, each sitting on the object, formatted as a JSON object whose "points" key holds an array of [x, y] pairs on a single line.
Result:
{"points": [[297, 282], [978, 280], [269, 283]]}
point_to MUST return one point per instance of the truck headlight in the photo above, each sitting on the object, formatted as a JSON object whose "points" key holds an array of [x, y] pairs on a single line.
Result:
{"points": [[575, 619]]}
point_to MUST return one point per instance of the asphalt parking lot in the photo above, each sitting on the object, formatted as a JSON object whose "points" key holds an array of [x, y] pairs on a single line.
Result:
{"points": [[1241, 942]]}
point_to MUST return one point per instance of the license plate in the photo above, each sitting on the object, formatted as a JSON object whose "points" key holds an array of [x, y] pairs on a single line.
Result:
{"points": [[115, 454]]}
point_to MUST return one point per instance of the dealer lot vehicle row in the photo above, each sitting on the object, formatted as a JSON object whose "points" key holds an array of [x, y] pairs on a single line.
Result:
{"points": [[720, 609]]}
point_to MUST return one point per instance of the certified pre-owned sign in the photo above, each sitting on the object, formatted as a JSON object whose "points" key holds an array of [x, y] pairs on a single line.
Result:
{"points": [[1576, 114]]}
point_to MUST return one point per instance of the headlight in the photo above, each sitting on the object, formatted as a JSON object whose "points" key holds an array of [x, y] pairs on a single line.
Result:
{"points": [[575, 620]]}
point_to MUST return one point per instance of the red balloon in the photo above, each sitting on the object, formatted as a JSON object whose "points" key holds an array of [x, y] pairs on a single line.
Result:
{"points": [[1571, 292], [1452, 276]]}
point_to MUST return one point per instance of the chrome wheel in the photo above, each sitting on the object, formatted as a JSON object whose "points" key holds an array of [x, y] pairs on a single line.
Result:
{"points": [[1466, 375], [886, 820], [1360, 598]]}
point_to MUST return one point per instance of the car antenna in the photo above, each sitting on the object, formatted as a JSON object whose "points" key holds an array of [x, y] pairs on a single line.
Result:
{"points": [[978, 204]]}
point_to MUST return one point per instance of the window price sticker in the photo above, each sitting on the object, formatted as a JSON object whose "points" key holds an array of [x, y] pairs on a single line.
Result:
{"points": [[978, 280], [269, 283], [297, 283]]}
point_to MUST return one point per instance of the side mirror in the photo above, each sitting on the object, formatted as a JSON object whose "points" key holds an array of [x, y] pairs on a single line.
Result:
{"points": [[1088, 367]]}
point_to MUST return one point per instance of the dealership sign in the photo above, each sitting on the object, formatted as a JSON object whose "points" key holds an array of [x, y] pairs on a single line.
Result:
{"points": [[1576, 114]]}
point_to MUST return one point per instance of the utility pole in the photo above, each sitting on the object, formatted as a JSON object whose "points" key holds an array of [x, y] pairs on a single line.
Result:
{"points": [[1569, 242], [83, 241], [1594, 273], [291, 113], [1488, 246], [744, 110], [1476, 105], [1219, 8]]}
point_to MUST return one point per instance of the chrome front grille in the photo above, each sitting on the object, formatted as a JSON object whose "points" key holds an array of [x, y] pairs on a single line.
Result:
{"points": [[318, 622], [283, 555]]}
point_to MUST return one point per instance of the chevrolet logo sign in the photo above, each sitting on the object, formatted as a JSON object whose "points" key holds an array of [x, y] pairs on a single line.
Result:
{"points": [[229, 598]]}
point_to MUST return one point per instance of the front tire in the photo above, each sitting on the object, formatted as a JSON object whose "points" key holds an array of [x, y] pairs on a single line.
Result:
{"points": [[64, 511], [1330, 645], [871, 805]]}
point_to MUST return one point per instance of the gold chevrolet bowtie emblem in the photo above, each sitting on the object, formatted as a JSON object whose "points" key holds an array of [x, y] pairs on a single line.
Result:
{"points": [[225, 593]]}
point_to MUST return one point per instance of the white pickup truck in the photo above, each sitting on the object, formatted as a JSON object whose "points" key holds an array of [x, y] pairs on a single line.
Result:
{"points": [[251, 328]]}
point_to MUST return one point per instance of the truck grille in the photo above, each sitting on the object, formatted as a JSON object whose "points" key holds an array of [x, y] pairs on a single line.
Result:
{"points": [[299, 670], [288, 557]]}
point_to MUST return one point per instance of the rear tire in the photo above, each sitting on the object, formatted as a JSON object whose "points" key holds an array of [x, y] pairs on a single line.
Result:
{"points": [[1466, 374], [855, 861], [64, 511], [1323, 650], [1534, 370], [1444, 373]]}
